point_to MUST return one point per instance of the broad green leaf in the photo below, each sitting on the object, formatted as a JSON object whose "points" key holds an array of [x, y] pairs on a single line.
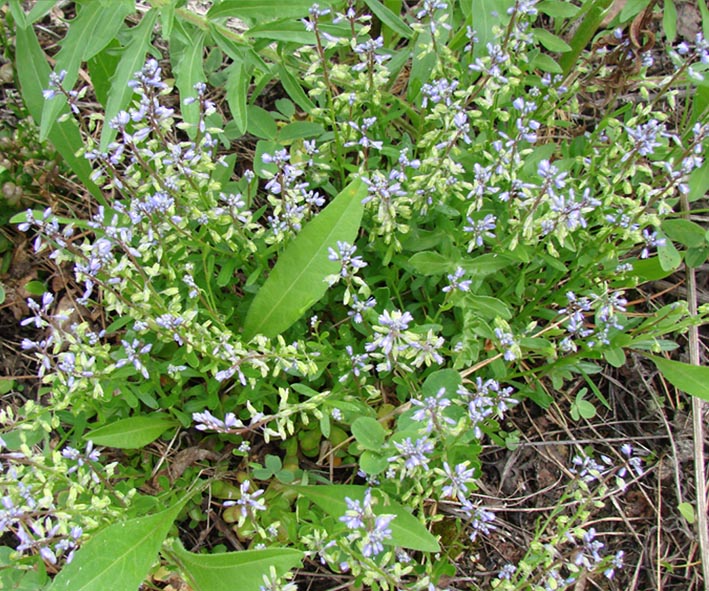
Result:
{"points": [[298, 279], [131, 433], [692, 379], [237, 86], [584, 33], [486, 15], [369, 433], [262, 11], [33, 74], [669, 256], [669, 20], [431, 263], [551, 41], [406, 530], [685, 232], [694, 257], [443, 378], [487, 307], [93, 28], [615, 356], [294, 89], [117, 557], [391, 20], [372, 463], [687, 511], [260, 123], [131, 62], [188, 73], [234, 570]]}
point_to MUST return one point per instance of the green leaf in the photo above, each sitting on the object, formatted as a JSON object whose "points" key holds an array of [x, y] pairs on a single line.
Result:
{"points": [[431, 263], [131, 433], [260, 123], [93, 28], [585, 32], [486, 15], [684, 231], [669, 256], [289, 31], [545, 63], [422, 64], [487, 307], [558, 8], [262, 11], [699, 182], [237, 86], [615, 356], [369, 433], [694, 257], [36, 288], [298, 279], [101, 69], [189, 72], [632, 8], [692, 379], [39, 10], [391, 20], [449, 379], [300, 129], [131, 61], [33, 74], [669, 20], [486, 264], [551, 41], [117, 557], [372, 463], [245, 569], [406, 530], [687, 511], [294, 89], [18, 14]]}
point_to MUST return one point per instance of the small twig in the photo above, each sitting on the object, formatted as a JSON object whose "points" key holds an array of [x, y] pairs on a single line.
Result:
{"points": [[697, 421]]}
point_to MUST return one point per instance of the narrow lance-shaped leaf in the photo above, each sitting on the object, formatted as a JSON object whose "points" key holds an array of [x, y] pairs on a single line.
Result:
{"points": [[297, 280], [692, 379], [391, 20], [210, 572], [406, 530], [131, 62], [94, 28], [262, 11], [117, 557], [237, 86], [33, 73], [189, 72]]}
